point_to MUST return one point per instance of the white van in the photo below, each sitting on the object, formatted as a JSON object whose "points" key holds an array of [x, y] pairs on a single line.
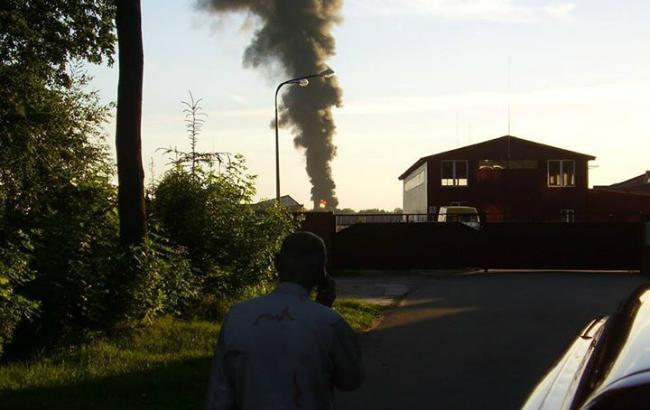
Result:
{"points": [[466, 215]]}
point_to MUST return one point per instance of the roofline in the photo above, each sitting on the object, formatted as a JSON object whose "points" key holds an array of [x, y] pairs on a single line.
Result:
{"points": [[413, 167], [428, 157], [271, 200], [629, 180]]}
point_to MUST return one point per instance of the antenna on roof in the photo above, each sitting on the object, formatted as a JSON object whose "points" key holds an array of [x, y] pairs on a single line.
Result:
{"points": [[509, 153], [509, 61], [457, 130]]}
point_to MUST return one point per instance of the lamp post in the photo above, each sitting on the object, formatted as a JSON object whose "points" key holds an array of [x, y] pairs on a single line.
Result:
{"points": [[303, 82]]}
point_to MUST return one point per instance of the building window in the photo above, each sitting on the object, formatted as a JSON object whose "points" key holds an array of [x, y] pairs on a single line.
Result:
{"points": [[454, 173], [568, 215], [562, 173], [414, 182]]}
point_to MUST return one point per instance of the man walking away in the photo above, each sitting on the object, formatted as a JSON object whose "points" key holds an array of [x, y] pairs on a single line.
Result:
{"points": [[284, 351]]}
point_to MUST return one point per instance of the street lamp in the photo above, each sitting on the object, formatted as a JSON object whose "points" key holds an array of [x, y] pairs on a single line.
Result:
{"points": [[303, 82]]}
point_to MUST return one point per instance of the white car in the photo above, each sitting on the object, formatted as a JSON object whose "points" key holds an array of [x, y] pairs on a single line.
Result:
{"points": [[465, 215], [607, 367]]}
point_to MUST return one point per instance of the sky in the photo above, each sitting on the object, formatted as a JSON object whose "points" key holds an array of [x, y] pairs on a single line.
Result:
{"points": [[418, 77]]}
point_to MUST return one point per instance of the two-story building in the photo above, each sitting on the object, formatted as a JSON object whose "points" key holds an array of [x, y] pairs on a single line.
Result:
{"points": [[507, 178]]}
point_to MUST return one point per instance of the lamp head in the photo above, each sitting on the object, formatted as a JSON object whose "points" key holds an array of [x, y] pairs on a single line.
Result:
{"points": [[328, 72], [303, 83]]}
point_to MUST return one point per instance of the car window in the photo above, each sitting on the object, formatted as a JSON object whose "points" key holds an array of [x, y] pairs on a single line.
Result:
{"points": [[635, 397]]}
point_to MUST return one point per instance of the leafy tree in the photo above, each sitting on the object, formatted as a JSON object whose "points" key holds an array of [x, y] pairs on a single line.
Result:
{"points": [[41, 37], [38, 40], [45, 122], [128, 140], [56, 175], [60, 263], [47, 142], [49, 161], [40, 144], [56, 187], [230, 243]]}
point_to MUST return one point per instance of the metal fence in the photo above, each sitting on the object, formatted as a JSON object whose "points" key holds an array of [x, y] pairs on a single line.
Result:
{"points": [[345, 220]]}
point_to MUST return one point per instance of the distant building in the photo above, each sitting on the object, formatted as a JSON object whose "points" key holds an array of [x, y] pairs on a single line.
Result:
{"points": [[286, 200], [510, 179], [637, 185], [624, 200]]}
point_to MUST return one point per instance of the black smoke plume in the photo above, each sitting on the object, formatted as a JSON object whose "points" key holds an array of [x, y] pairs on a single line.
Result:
{"points": [[297, 34]]}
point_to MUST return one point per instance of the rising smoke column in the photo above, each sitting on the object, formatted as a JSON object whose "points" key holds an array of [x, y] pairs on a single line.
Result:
{"points": [[297, 35]]}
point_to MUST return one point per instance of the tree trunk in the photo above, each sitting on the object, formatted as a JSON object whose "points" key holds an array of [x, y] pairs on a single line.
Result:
{"points": [[129, 114]]}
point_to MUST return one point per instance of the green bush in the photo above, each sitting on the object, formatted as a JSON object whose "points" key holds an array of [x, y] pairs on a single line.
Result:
{"points": [[14, 307], [55, 178], [75, 241], [56, 185], [230, 243], [151, 280]]}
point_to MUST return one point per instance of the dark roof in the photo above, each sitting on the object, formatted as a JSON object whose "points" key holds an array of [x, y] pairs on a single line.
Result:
{"points": [[497, 149], [639, 184], [285, 200]]}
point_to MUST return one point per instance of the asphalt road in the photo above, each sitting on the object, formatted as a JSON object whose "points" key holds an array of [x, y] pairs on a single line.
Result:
{"points": [[479, 341]]}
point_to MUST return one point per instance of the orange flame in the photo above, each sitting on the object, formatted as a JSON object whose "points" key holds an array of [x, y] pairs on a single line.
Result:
{"points": [[322, 204]]}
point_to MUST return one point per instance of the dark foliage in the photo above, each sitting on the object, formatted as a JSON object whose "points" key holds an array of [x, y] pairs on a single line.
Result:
{"points": [[230, 243], [43, 36], [150, 280], [64, 273], [14, 308]]}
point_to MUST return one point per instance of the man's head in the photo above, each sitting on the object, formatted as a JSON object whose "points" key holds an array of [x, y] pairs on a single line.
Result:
{"points": [[302, 259]]}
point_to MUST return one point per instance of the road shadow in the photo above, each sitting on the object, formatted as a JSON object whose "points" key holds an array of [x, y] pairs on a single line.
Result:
{"points": [[479, 341]]}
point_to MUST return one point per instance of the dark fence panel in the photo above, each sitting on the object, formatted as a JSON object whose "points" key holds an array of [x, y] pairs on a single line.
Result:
{"points": [[499, 245], [405, 246], [562, 245]]}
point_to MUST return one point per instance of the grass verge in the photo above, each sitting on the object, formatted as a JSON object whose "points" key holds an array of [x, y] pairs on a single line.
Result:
{"points": [[359, 315], [165, 366]]}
